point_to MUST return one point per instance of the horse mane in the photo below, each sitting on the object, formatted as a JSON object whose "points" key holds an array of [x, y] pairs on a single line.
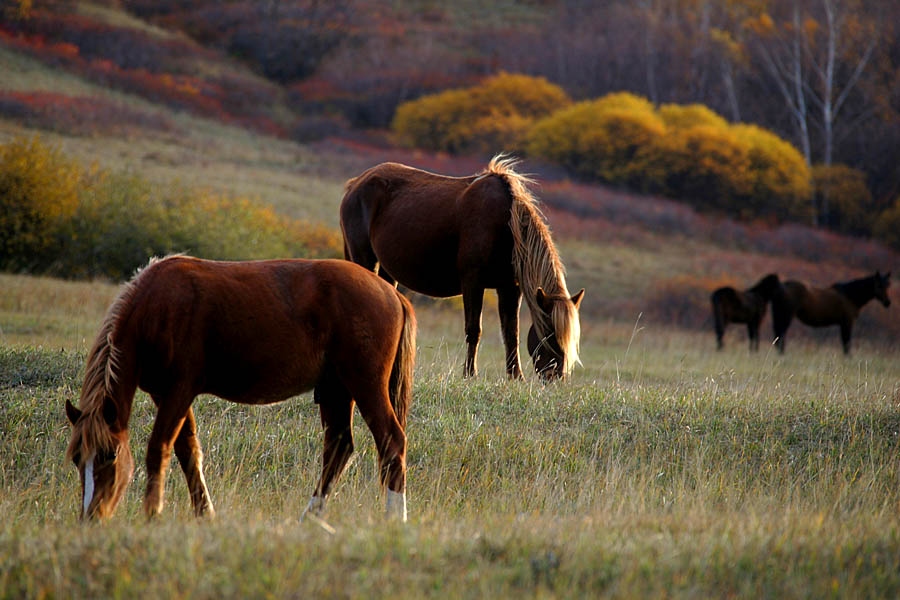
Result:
{"points": [[537, 263], [92, 432]]}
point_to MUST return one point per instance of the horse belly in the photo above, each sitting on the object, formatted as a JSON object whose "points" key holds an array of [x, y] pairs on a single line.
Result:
{"points": [[426, 267], [262, 378]]}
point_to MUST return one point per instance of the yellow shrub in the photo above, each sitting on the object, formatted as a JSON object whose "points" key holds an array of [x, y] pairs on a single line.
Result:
{"points": [[781, 178], [680, 116], [490, 117], [429, 121], [707, 165], [607, 139], [887, 226], [849, 206], [38, 190], [624, 101]]}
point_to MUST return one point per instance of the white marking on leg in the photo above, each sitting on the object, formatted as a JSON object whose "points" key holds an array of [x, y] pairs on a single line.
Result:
{"points": [[396, 505], [315, 507], [313, 512], [88, 485]]}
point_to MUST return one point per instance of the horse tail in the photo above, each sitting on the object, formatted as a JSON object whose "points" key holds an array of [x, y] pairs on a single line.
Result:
{"points": [[401, 380], [537, 264], [110, 376]]}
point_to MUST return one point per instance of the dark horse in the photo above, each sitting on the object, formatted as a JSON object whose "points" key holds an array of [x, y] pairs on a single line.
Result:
{"points": [[749, 306], [443, 236], [255, 333], [820, 307]]}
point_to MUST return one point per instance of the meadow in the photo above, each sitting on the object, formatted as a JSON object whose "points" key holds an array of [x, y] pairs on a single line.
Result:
{"points": [[661, 468]]}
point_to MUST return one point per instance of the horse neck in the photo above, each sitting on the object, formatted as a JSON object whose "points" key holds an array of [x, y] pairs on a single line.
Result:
{"points": [[858, 291]]}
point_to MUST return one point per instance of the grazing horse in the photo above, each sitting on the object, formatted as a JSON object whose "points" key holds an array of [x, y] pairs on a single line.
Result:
{"points": [[249, 332], [443, 236], [749, 306], [820, 307]]}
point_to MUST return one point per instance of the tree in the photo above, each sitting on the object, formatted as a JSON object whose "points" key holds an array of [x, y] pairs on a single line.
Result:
{"points": [[814, 53]]}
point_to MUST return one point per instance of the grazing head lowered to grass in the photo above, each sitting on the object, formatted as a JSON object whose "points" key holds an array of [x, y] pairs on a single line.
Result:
{"points": [[444, 236], [249, 332]]}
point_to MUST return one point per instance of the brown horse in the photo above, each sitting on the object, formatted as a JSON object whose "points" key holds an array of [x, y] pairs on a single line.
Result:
{"points": [[820, 307], [749, 306], [255, 333], [443, 236]]}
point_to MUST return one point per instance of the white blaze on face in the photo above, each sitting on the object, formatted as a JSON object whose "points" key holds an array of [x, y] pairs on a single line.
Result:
{"points": [[88, 485]]}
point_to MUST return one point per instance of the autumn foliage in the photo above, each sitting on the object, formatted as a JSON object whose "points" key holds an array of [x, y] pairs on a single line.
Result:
{"points": [[59, 217], [485, 118], [684, 152]]}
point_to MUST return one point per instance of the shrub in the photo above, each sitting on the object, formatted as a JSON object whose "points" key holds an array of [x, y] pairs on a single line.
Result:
{"points": [[780, 176], [38, 192], [492, 116], [97, 223], [849, 206], [685, 152], [610, 139], [887, 226], [705, 165], [680, 116]]}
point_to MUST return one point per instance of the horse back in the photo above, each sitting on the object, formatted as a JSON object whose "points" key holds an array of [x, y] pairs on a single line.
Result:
{"points": [[259, 331], [735, 306], [427, 230], [817, 307]]}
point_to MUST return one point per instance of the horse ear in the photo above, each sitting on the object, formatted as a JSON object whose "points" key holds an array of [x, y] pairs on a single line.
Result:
{"points": [[543, 301], [110, 412], [577, 298], [73, 413]]}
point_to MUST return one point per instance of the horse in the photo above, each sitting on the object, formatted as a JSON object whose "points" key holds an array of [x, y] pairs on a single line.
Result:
{"points": [[820, 307], [731, 306], [443, 236], [253, 332]]}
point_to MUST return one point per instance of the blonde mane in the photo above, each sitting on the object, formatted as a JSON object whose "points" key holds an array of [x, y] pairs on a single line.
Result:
{"points": [[91, 432], [537, 263]]}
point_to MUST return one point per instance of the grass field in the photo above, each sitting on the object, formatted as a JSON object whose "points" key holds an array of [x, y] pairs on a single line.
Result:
{"points": [[663, 468]]}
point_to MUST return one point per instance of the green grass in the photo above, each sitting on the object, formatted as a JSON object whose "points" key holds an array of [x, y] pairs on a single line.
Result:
{"points": [[663, 468]]}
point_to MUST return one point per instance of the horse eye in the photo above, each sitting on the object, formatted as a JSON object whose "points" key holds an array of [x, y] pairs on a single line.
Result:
{"points": [[76, 458]]}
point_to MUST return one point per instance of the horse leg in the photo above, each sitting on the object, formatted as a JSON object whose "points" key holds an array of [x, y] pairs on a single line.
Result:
{"points": [[753, 335], [336, 411], [719, 324], [509, 300], [169, 419], [473, 297], [390, 441], [190, 456], [846, 332], [781, 320]]}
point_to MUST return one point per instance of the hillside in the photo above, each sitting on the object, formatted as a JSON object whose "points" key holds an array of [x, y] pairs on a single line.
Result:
{"points": [[636, 256]]}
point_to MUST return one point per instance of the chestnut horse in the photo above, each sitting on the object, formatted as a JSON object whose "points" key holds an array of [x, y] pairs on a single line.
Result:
{"points": [[249, 332], [820, 307], [749, 306], [443, 236]]}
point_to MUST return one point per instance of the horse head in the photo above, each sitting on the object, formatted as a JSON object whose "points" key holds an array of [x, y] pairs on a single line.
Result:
{"points": [[101, 454], [882, 283], [554, 352]]}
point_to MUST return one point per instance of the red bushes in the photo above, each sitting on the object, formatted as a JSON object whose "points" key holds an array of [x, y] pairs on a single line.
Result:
{"points": [[79, 115], [160, 70]]}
